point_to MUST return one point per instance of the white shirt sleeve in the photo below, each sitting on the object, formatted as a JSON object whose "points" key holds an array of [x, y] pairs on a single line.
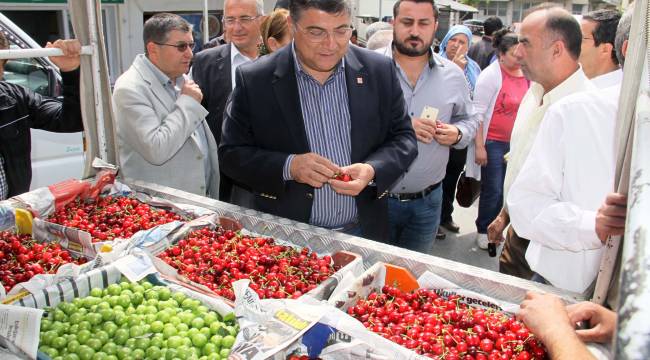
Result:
{"points": [[536, 202]]}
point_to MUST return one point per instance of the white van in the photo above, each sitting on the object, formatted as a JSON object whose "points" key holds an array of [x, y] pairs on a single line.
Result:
{"points": [[55, 157]]}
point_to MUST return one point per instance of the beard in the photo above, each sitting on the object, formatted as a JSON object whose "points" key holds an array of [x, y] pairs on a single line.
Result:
{"points": [[405, 49]]}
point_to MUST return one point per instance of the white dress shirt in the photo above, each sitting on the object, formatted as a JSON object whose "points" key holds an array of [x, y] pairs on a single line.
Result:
{"points": [[608, 80], [566, 177], [236, 59], [531, 112]]}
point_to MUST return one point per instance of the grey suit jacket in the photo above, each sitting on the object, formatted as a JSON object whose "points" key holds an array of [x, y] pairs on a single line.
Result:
{"points": [[156, 135]]}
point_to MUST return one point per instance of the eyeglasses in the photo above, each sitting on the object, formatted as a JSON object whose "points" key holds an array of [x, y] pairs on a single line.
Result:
{"points": [[243, 20], [315, 34], [181, 47]]}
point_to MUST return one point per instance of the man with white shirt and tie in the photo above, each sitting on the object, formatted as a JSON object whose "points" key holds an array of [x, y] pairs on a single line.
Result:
{"points": [[548, 51], [161, 129], [597, 53], [214, 71]]}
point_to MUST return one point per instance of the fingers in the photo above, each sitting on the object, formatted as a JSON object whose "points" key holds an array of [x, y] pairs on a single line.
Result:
{"points": [[350, 188], [594, 334], [616, 199], [579, 312]]}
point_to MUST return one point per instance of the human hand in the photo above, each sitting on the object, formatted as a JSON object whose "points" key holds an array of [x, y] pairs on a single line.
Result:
{"points": [[446, 134], [496, 227], [601, 320], [425, 129], [361, 175], [610, 218], [69, 61], [312, 169], [460, 58], [193, 90], [545, 316], [480, 156]]}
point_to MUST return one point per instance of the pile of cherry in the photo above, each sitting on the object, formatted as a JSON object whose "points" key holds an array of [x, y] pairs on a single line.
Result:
{"points": [[111, 217], [216, 258], [445, 328], [21, 258]]}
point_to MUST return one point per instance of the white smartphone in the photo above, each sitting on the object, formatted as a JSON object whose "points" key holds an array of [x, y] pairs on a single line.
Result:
{"points": [[429, 113]]}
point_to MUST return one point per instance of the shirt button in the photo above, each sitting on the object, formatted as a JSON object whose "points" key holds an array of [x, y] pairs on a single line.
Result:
{"points": [[199, 157], [310, 195]]}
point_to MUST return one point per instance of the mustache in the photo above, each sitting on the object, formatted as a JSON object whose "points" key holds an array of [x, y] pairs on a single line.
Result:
{"points": [[413, 38]]}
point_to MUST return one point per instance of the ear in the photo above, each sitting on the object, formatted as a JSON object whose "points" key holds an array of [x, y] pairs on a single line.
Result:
{"points": [[624, 48], [291, 24], [274, 45], [152, 50], [606, 49], [558, 49]]}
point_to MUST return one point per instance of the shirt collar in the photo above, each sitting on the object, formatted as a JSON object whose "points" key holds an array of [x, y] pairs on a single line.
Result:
{"points": [[299, 69], [434, 60], [161, 76], [565, 88], [234, 53]]}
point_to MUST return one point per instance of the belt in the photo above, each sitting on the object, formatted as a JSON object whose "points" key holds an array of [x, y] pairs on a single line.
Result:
{"points": [[347, 227], [415, 195]]}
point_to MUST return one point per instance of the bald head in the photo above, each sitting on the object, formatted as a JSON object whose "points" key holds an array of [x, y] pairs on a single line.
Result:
{"points": [[549, 45]]}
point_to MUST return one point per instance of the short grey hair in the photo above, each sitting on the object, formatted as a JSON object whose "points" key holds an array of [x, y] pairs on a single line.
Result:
{"points": [[158, 27], [375, 27], [623, 33], [259, 6], [380, 39]]}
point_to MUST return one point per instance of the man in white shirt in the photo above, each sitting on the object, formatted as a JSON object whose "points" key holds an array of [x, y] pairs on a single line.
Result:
{"points": [[548, 52], [597, 54], [556, 199], [214, 71]]}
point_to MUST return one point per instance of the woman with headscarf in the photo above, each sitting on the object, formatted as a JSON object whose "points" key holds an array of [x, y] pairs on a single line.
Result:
{"points": [[454, 47]]}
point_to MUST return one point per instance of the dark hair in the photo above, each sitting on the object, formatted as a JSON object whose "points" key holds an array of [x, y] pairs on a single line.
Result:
{"points": [[354, 33], [4, 43], [561, 25], [158, 27], [492, 24], [296, 7], [504, 39], [623, 33], [432, 2], [605, 31]]}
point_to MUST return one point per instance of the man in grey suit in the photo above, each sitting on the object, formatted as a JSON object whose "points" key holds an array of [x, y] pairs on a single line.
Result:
{"points": [[162, 133]]}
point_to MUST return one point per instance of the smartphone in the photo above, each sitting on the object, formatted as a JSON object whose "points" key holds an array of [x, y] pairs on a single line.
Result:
{"points": [[429, 113]]}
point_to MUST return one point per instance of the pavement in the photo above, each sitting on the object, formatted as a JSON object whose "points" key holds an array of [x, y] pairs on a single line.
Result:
{"points": [[462, 247]]}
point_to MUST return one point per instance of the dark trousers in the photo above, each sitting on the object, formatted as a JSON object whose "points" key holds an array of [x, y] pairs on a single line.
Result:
{"points": [[513, 257], [492, 176], [455, 166]]}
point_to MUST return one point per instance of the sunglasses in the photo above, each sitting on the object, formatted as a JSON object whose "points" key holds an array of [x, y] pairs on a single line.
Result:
{"points": [[181, 47]]}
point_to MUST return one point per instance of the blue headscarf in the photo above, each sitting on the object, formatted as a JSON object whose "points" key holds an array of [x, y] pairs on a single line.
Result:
{"points": [[472, 70]]}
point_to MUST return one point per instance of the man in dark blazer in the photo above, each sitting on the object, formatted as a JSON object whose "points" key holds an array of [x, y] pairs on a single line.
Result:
{"points": [[213, 68], [311, 111]]}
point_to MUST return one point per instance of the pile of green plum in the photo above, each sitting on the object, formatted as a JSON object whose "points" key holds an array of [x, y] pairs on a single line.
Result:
{"points": [[136, 321]]}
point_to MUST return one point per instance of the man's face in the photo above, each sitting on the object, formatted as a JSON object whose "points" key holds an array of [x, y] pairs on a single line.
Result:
{"points": [[589, 53], [242, 23], [321, 38], [458, 41], [414, 28], [169, 59], [533, 53]]}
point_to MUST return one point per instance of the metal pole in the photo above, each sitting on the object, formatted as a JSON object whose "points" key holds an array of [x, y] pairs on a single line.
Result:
{"points": [[34, 53], [380, 4], [99, 106], [206, 27]]}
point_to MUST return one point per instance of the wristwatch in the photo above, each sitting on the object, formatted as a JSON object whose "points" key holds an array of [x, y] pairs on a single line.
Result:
{"points": [[459, 138]]}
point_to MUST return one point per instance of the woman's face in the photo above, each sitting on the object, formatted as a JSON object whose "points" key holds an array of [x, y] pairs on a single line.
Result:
{"points": [[508, 59]]}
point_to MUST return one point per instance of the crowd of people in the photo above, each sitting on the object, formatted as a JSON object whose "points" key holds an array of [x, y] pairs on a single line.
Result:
{"points": [[271, 114]]}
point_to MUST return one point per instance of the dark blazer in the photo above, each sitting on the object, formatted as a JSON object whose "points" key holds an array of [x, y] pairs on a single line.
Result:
{"points": [[211, 71], [263, 124]]}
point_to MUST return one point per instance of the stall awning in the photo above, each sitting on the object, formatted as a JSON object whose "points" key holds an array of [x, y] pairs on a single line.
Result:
{"points": [[456, 6]]}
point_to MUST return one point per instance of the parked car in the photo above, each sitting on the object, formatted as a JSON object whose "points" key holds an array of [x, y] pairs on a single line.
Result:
{"points": [[475, 25], [55, 157]]}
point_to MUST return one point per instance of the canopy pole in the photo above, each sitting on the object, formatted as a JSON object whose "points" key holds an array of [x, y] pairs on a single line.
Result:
{"points": [[95, 68], [206, 23]]}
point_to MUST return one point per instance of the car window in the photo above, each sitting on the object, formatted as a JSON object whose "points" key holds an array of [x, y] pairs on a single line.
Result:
{"points": [[28, 73]]}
